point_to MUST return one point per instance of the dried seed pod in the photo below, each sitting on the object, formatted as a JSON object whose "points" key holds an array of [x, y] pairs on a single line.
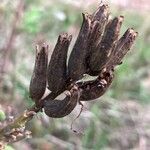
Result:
{"points": [[101, 13], [122, 47], [57, 65], [38, 80], [101, 56], [77, 64], [61, 108], [94, 89], [99, 20], [95, 36]]}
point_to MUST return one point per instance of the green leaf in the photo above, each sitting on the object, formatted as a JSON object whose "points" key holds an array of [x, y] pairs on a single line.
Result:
{"points": [[2, 115]]}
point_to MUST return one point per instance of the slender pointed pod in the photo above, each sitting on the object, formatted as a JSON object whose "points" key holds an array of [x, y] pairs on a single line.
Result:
{"points": [[59, 108], [57, 66], [39, 76], [122, 47], [94, 89], [101, 13], [77, 62], [103, 52], [99, 21]]}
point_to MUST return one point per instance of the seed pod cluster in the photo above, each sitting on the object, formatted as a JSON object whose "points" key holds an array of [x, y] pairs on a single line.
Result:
{"points": [[97, 51], [102, 53]]}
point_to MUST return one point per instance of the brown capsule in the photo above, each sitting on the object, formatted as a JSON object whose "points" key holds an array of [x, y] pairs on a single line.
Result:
{"points": [[122, 47], [57, 65], [77, 62], [38, 80], [101, 13], [94, 89], [95, 36], [99, 20], [61, 108], [101, 56]]}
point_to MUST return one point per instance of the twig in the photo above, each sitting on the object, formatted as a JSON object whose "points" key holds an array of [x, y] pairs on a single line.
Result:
{"points": [[16, 130]]}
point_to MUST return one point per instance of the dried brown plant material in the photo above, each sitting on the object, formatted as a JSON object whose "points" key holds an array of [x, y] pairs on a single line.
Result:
{"points": [[61, 108], [94, 89], [57, 65], [99, 20], [97, 51], [122, 47], [101, 13], [100, 57], [39, 76], [77, 63]]}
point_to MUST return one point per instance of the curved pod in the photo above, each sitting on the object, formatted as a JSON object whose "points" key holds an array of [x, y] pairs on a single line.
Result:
{"points": [[61, 108]]}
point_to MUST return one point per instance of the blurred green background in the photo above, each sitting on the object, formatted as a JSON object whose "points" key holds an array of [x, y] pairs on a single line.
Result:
{"points": [[119, 120]]}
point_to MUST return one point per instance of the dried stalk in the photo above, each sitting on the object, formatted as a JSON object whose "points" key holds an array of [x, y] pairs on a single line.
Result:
{"points": [[16, 130]]}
